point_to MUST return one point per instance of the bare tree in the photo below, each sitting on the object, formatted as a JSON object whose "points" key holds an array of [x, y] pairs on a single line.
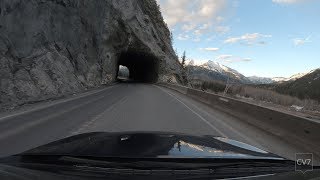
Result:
{"points": [[228, 85]]}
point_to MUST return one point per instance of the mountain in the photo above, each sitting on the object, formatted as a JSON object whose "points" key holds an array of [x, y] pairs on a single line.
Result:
{"points": [[215, 71], [278, 79], [305, 87], [261, 80], [265, 80], [301, 85], [297, 76], [212, 70], [291, 78]]}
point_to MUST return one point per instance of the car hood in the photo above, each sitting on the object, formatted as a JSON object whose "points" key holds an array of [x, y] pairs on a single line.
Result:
{"points": [[150, 145]]}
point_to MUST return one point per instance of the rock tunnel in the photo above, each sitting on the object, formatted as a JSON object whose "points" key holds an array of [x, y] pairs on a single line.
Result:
{"points": [[143, 67]]}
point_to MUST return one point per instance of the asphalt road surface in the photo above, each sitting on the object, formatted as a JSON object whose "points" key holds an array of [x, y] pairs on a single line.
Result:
{"points": [[127, 107]]}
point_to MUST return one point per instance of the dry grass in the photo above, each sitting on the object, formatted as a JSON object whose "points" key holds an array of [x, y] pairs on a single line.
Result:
{"points": [[273, 97], [258, 94]]}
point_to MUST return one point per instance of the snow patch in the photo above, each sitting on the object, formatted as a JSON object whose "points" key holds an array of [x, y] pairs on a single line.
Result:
{"points": [[297, 108]]}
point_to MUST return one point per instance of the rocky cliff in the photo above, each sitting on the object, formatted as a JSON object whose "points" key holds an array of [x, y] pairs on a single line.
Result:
{"points": [[50, 48]]}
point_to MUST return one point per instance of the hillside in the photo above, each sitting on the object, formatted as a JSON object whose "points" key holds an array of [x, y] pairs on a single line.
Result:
{"points": [[306, 87], [301, 85]]}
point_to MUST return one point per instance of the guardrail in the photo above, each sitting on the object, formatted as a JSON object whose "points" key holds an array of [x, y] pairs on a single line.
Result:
{"points": [[297, 130]]}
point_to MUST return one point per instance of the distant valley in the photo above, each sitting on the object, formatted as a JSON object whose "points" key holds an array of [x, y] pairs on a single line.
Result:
{"points": [[215, 71], [301, 85]]}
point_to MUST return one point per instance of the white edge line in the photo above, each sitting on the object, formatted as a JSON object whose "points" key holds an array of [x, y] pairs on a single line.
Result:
{"points": [[245, 137], [228, 126], [202, 118]]}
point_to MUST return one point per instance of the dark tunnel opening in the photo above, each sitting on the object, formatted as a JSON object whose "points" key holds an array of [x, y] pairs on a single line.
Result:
{"points": [[142, 67]]}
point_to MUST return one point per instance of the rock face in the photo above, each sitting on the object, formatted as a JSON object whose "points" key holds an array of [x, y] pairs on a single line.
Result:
{"points": [[53, 47]]}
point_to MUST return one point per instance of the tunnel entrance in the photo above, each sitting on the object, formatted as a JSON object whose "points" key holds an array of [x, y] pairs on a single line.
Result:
{"points": [[142, 67]]}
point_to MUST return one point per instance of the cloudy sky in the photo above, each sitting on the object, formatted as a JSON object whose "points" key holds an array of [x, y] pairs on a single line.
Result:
{"points": [[269, 38]]}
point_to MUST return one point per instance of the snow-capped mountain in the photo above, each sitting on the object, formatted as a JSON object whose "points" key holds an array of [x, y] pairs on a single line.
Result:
{"points": [[214, 66], [264, 80], [302, 85], [215, 71], [297, 76], [305, 87], [212, 70], [279, 79]]}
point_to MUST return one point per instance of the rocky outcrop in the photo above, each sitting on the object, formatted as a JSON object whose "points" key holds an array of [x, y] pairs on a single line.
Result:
{"points": [[53, 47]]}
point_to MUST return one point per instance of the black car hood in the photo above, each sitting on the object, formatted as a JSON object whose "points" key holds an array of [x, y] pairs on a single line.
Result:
{"points": [[150, 145]]}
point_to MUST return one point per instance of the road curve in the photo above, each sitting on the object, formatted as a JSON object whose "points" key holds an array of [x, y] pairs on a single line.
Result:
{"points": [[127, 107]]}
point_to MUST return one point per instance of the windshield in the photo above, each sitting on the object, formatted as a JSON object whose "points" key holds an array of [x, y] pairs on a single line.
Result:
{"points": [[210, 79]]}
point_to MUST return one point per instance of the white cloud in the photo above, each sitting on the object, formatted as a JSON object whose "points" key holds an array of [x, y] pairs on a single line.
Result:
{"points": [[223, 57], [210, 49], [202, 29], [222, 29], [211, 38], [197, 39], [248, 39], [183, 37], [301, 41], [188, 27], [219, 19], [298, 42], [231, 59], [191, 12], [195, 17], [289, 1]]}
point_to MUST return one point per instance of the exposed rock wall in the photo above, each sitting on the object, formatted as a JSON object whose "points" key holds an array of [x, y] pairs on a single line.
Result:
{"points": [[53, 47]]}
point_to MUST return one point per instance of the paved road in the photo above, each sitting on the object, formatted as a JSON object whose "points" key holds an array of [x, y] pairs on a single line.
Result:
{"points": [[127, 107]]}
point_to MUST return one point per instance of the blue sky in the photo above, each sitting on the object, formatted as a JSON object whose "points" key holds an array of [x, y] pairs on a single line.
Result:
{"points": [[268, 38]]}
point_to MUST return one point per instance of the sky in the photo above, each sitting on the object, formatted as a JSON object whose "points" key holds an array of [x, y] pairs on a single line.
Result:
{"points": [[266, 38]]}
